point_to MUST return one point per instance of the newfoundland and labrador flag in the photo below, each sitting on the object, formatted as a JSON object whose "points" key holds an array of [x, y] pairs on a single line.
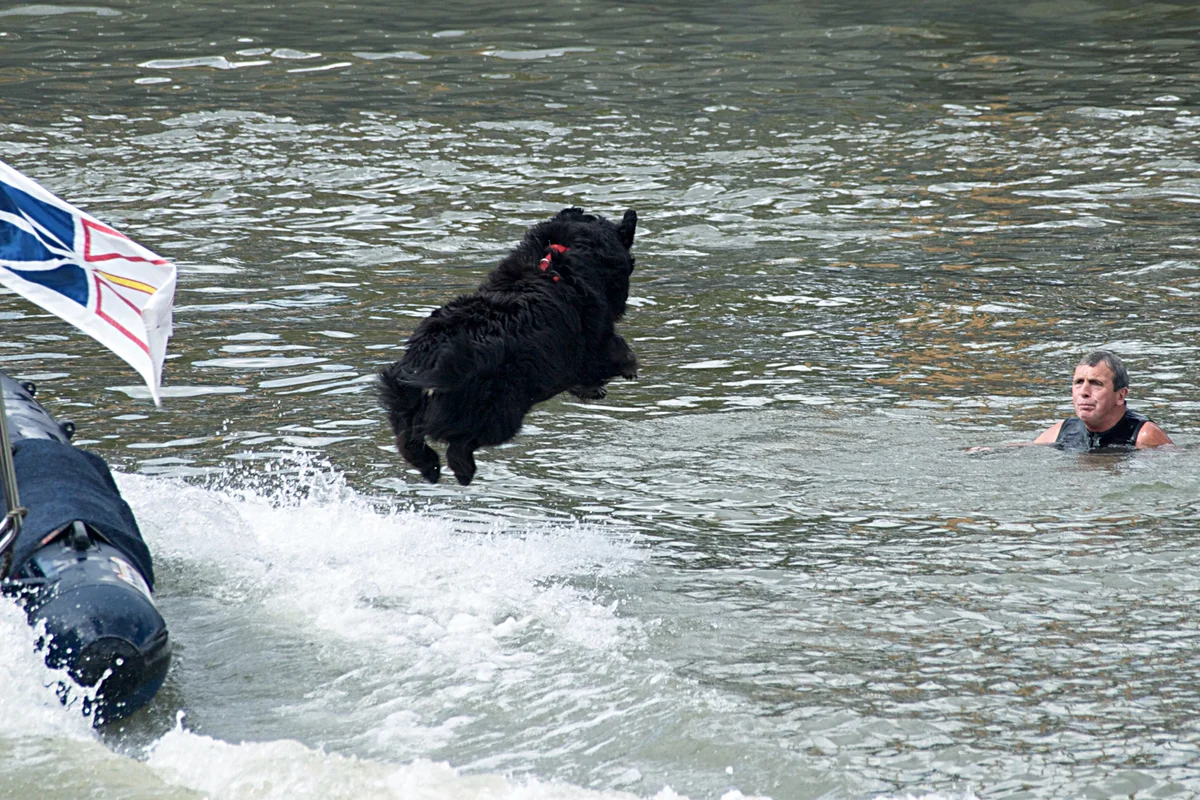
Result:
{"points": [[78, 268]]}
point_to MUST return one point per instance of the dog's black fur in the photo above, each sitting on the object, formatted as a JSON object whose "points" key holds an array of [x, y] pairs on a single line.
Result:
{"points": [[475, 367]]}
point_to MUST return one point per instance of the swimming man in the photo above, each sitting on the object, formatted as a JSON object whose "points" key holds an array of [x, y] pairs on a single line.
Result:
{"points": [[1102, 419]]}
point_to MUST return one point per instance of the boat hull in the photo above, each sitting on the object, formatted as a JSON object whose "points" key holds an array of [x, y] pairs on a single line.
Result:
{"points": [[88, 597]]}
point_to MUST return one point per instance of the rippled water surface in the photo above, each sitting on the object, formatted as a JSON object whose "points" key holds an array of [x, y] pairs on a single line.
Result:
{"points": [[870, 238]]}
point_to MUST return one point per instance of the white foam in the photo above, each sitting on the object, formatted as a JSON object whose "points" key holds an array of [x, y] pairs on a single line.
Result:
{"points": [[28, 704], [417, 614], [286, 769], [318, 553], [461, 614]]}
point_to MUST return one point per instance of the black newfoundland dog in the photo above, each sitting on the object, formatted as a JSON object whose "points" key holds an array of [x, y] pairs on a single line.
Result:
{"points": [[541, 323]]}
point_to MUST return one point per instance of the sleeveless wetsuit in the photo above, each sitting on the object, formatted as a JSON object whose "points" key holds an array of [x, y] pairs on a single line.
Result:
{"points": [[1074, 435]]}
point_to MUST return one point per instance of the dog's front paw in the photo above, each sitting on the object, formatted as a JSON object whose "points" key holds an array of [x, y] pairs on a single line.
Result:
{"points": [[622, 361], [589, 392]]}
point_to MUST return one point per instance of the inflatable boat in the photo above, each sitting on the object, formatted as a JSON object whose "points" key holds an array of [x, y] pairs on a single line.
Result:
{"points": [[79, 567]]}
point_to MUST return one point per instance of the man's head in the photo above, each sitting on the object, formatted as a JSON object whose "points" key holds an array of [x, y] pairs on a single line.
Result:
{"points": [[1098, 390], [1110, 360]]}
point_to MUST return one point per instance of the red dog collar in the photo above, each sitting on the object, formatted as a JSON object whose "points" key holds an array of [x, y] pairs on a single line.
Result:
{"points": [[544, 264]]}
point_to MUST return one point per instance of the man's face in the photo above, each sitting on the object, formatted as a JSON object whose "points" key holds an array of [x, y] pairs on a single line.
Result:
{"points": [[1096, 403]]}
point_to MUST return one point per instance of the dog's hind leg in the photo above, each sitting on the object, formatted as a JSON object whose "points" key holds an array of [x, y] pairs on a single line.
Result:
{"points": [[421, 456], [460, 457], [405, 409]]}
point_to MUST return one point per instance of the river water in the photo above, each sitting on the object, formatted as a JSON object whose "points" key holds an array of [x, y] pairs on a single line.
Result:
{"points": [[871, 237]]}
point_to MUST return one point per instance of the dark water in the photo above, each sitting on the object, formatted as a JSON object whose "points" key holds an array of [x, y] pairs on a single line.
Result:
{"points": [[870, 237]]}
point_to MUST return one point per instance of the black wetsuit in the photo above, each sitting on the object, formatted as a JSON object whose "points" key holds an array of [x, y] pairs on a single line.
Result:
{"points": [[1074, 435]]}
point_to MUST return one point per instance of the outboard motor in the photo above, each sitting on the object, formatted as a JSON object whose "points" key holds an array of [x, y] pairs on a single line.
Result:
{"points": [[77, 585], [101, 623]]}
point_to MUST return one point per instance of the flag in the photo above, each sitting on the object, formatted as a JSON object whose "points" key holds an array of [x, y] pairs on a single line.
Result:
{"points": [[78, 268]]}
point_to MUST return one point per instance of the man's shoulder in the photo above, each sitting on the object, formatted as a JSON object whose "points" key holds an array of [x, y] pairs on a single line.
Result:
{"points": [[1050, 435], [1150, 435]]}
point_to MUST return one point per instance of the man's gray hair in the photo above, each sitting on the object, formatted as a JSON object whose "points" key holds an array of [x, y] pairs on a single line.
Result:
{"points": [[1110, 360]]}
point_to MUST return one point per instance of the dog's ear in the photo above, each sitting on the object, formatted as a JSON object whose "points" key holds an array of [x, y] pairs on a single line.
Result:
{"points": [[627, 227]]}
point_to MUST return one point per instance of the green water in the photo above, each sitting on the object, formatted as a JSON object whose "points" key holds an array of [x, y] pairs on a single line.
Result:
{"points": [[870, 237]]}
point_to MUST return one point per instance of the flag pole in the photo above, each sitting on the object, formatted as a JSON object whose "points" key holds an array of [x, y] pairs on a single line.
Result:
{"points": [[11, 526]]}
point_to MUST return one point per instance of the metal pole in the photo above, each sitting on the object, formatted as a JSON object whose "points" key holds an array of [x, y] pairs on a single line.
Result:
{"points": [[8, 477]]}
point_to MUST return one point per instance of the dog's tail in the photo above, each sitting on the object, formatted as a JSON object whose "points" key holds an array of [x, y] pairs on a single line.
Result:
{"points": [[398, 391]]}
